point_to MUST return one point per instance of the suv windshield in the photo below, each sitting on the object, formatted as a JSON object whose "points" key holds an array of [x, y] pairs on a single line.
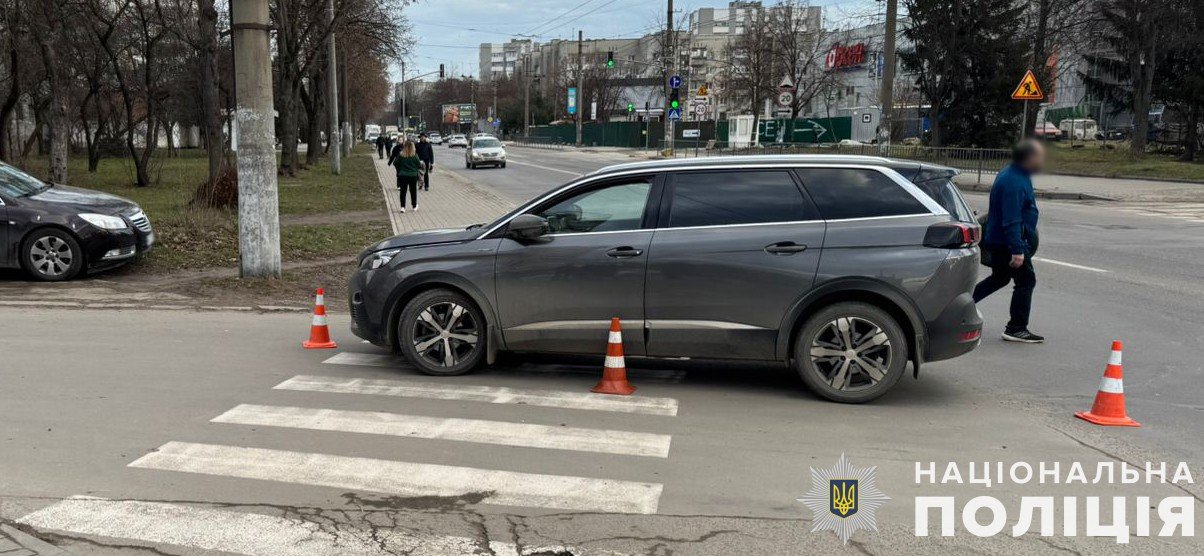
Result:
{"points": [[485, 142], [16, 183]]}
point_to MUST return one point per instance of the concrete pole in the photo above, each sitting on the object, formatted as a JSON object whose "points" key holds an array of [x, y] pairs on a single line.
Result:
{"points": [[665, 74], [332, 97], [258, 202], [887, 94], [580, 74], [527, 95], [348, 140]]}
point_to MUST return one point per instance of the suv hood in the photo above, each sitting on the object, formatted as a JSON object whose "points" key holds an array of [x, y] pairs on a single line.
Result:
{"points": [[85, 200], [427, 237]]}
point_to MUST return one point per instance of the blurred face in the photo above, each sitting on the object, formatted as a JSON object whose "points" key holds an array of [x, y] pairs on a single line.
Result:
{"points": [[1036, 162]]}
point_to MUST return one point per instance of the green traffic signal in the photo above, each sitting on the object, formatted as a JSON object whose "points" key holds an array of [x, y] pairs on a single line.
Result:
{"points": [[674, 103], [610, 63], [630, 107]]}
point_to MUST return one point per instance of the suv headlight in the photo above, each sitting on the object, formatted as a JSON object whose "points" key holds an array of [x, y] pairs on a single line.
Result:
{"points": [[105, 221], [379, 258]]}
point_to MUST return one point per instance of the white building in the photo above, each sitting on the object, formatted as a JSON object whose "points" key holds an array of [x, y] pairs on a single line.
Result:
{"points": [[502, 59]]}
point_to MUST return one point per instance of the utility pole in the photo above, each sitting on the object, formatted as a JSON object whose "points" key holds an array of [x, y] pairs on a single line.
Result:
{"points": [[527, 95], [887, 97], [670, 56], [348, 142], [580, 73], [401, 110], [332, 96], [258, 201]]}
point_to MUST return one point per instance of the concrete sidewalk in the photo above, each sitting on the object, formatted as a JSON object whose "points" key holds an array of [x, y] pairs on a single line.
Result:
{"points": [[1057, 186], [452, 202], [14, 542]]}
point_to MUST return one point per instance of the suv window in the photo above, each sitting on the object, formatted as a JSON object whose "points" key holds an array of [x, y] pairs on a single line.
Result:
{"points": [[614, 207], [747, 197], [857, 193], [944, 192]]}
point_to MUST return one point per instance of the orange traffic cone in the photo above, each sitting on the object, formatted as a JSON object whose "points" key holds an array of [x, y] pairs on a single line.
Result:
{"points": [[1109, 406], [614, 372], [319, 333]]}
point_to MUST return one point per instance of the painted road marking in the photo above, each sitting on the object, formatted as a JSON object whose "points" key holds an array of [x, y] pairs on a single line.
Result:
{"points": [[463, 430], [505, 488], [549, 168], [1070, 265], [393, 361], [485, 394], [238, 532]]}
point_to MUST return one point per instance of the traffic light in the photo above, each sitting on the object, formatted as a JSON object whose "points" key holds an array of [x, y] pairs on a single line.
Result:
{"points": [[674, 99], [440, 71], [630, 107], [610, 59]]}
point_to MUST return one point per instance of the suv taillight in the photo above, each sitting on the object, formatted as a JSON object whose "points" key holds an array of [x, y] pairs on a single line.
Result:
{"points": [[952, 235]]}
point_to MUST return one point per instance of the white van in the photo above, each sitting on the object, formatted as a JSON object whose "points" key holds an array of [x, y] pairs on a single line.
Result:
{"points": [[1079, 129]]}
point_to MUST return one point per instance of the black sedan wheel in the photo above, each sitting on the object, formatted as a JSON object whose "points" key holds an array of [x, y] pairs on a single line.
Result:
{"points": [[52, 255], [442, 333], [851, 352]]}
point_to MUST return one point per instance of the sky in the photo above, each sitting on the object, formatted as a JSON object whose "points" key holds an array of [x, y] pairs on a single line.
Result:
{"points": [[451, 31]]}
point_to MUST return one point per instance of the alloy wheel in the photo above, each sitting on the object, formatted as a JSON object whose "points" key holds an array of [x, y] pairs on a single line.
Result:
{"points": [[51, 256], [851, 354], [445, 334]]}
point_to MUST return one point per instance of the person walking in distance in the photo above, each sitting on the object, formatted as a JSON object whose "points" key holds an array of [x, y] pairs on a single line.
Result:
{"points": [[1010, 238], [426, 152], [380, 147], [408, 166]]}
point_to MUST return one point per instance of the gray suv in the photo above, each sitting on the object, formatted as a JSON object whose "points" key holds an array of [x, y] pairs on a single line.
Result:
{"points": [[843, 267]]}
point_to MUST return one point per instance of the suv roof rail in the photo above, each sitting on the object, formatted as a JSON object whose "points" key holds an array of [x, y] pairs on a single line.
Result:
{"points": [[747, 159]]}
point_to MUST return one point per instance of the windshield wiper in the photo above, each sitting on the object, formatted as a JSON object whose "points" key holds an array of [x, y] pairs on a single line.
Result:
{"points": [[474, 226]]}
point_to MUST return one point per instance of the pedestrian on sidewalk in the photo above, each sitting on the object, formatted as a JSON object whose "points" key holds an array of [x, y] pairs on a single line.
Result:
{"points": [[1010, 238], [409, 166], [426, 152], [380, 147]]}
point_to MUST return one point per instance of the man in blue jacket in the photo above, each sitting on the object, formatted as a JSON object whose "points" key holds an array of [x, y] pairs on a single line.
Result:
{"points": [[1010, 238]]}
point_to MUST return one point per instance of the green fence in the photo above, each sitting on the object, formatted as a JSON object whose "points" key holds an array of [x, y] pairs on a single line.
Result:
{"points": [[1056, 115], [605, 134], [805, 130]]}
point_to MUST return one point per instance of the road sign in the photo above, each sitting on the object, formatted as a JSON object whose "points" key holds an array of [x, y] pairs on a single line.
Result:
{"points": [[675, 114], [787, 84], [785, 98], [700, 109], [691, 133], [702, 91], [1028, 89], [675, 82]]}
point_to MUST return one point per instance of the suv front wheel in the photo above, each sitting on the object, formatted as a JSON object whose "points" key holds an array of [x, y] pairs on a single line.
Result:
{"points": [[850, 352], [442, 332]]}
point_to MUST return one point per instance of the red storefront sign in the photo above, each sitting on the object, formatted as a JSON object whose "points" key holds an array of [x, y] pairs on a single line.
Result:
{"points": [[845, 56]]}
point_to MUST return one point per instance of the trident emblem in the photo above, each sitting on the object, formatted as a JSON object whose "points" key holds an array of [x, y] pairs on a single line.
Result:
{"points": [[844, 497]]}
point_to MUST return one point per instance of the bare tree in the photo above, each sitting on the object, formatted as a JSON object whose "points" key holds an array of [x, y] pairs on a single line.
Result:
{"points": [[49, 21], [800, 45], [752, 55]]}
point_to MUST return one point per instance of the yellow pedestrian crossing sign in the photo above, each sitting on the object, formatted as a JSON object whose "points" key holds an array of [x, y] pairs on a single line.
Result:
{"points": [[1028, 89]]}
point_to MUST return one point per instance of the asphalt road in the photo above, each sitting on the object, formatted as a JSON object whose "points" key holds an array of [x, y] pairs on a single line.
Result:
{"points": [[187, 432]]}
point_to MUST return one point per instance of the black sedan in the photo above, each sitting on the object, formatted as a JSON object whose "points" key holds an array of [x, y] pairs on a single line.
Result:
{"points": [[54, 232]]}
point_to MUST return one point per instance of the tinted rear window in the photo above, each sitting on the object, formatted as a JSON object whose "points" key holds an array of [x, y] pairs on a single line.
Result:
{"points": [[945, 193], [725, 198], [857, 193]]}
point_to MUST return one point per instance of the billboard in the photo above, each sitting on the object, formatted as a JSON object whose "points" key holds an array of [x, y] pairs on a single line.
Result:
{"points": [[456, 114]]}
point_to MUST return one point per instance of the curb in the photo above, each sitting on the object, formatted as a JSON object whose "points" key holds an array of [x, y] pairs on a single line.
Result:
{"points": [[1042, 193], [261, 309], [29, 542]]}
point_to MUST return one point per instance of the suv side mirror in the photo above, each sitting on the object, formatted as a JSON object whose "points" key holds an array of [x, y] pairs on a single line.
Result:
{"points": [[527, 227]]}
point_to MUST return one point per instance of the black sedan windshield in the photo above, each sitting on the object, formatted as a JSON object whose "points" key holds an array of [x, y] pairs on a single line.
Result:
{"points": [[16, 183]]}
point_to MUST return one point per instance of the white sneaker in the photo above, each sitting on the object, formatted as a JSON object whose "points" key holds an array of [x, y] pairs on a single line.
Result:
{"points": [[415, 209], [403, 210]]}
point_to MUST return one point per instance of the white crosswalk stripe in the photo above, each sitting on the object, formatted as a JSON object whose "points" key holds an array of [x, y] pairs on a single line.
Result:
{"points": [[247, 533], [486, 394], [1191, 212], [463, 430], [506, 488], [393, 361]]}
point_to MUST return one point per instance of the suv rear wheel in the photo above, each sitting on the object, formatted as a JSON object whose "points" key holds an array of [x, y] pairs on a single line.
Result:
{"points": [[442, 332], [850, 352]]}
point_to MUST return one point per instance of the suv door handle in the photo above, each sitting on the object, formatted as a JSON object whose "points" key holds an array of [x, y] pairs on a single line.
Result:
{"points": [[624, 252], [784, 248]]}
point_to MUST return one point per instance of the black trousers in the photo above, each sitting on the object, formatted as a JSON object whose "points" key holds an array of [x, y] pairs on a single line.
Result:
{"points": [[1025, 279], [426, 178], [410, 183]]}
